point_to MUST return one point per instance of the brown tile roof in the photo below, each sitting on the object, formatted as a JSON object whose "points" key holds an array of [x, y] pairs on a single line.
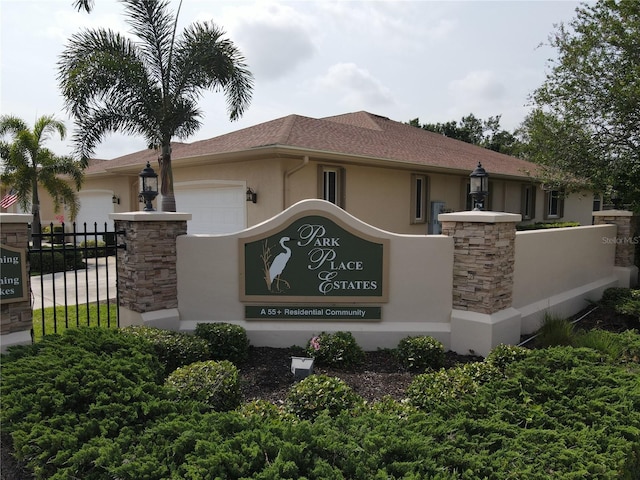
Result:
{"points": [[359, 134]]}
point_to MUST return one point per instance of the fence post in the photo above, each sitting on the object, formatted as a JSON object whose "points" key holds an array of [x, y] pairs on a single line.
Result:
{"points": [[483, 265], [626, 239], [147, 274], [16, 321]]}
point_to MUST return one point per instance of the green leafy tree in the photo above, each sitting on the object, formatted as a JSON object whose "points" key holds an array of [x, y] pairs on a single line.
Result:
{"points": [[150, 86], [586, 120], [474, 130], [27, 164]]}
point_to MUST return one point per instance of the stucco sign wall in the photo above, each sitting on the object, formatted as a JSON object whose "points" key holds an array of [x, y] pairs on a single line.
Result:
{"points": [[314, 260]]}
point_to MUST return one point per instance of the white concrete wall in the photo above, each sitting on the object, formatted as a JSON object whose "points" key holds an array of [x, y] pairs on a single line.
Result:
{"points": [[560, 270], [420, 287]]}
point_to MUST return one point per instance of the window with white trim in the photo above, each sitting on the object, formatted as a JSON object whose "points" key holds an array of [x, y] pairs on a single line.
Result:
{"points": [[331, 185], [418, 198], [554, 204], [528, 206]]}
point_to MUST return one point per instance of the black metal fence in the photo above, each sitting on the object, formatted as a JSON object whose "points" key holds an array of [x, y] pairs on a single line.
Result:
{"points": [[73, 277]]}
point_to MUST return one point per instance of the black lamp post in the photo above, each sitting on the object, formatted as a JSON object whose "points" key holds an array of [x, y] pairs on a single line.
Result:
{"points": [[479, 187], [148, 187]]}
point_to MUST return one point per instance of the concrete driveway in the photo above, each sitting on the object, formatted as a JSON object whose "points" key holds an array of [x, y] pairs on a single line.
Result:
{"points": [[96, 283]]}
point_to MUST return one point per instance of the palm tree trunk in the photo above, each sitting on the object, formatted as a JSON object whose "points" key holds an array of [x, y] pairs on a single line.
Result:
{"points": [[166, 179], [36, 228]]}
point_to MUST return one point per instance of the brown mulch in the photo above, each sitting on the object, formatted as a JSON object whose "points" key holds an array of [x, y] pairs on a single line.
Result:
{"points": [[267, 375]]}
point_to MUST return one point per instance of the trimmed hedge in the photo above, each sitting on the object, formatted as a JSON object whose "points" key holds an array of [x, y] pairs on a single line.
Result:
{"points": [[339, 349], [174, 349], [225, 340], [420, 353], [212, 383]]}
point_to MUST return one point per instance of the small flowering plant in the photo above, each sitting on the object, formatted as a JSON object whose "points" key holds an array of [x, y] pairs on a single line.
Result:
{"points": [[338, 349]]}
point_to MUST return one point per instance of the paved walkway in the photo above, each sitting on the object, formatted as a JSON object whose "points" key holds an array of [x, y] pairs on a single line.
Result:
{"points": [[92, 284]]}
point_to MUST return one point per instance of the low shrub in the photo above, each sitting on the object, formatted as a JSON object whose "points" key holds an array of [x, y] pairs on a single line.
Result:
{"points": [[55, 260], [429, 390], [318, 393], [420, 353], [503, 355], [225, 340], [93, 249], [546, 225], [624, 301], [68, 396], [212, 383], [338, 349], [174, 349]]}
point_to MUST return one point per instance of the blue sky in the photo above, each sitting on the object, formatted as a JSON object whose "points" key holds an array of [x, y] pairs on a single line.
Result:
{"points": [[436, 60]]}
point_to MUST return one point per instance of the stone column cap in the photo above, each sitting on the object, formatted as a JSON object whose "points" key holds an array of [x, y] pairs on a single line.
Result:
{"points": [[480, 217], [15, 217], [613, 213], [151, 216]]}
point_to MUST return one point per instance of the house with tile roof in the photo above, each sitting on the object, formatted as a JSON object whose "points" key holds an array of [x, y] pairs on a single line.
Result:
{"points": [[391, 175]]}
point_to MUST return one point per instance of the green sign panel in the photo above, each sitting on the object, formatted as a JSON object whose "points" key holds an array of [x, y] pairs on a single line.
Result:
{"points": [[314, 259], [13, 276], [311, 312]]}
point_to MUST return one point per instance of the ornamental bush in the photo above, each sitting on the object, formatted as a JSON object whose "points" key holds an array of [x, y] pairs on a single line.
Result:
{"points": [[338, 349], [503, 355], [212, 383], [428, 390], [420, 353], [225, 340], [624, 301], [318, 393], [174, 349]]}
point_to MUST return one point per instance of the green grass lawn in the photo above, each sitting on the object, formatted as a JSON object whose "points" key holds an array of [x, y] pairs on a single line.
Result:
{"points": [[56, 321]]}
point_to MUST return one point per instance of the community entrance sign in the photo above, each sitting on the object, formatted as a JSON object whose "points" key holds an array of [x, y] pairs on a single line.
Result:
{"points": [[13, 279], [315, 261]]}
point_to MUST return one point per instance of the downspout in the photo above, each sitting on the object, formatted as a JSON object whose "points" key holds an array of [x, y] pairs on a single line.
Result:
{"points": [[287, 174]]}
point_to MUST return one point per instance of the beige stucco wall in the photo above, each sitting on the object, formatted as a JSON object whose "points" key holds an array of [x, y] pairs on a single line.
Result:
{"points": [[558, 270], [420, 286], [380, 196]]}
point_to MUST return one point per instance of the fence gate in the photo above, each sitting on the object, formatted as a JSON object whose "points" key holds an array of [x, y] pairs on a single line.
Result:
{"points": [[75, 272]]}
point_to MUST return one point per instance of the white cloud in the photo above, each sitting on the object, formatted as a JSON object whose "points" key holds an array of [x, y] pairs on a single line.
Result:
{"points": [[355, 87], [478, 86], [275, 38]]}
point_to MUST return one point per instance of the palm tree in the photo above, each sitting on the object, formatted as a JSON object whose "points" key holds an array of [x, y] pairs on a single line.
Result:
{"points": [[151, 86], [86, 5], [27, 164]]}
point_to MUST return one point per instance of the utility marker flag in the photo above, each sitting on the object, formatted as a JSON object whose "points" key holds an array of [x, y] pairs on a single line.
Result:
{"points": [[9, 199]]}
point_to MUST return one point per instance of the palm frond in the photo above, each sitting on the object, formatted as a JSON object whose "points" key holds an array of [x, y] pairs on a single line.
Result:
{"points": [[86, 5], [47, 125], [206, 60], [153, 23], [10, 125]]}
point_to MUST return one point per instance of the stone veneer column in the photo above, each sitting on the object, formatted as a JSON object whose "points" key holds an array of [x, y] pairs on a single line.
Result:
{"points": [[147, 275], [16, 320], [626, 240], [483, 265]]}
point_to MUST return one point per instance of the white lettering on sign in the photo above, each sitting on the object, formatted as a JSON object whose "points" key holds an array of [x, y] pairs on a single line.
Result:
{"points": [[324, 255], [10, 260]]}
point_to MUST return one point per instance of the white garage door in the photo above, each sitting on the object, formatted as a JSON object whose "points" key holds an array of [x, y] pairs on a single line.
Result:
{"points": [[95, 206], [214, 209]]}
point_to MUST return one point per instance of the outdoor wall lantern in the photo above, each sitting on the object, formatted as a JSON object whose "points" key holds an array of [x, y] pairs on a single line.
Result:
{"points": [[115, 199], [148, 187], [301, 367], [251, 195], [479, 187]]}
